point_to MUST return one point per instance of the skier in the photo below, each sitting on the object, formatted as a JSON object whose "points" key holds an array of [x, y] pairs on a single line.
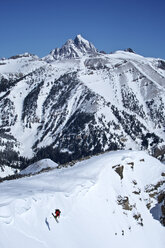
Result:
{"points": [[57, 214]]}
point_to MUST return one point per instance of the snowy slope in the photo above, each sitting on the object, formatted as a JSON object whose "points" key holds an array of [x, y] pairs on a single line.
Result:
{"points": [[101, 205], [77, 102], [23, 63], [39, 166], [7, 171]]}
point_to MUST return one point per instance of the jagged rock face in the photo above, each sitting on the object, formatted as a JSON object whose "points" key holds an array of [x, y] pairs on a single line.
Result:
{"points": [[77, 102], [72, 49]]}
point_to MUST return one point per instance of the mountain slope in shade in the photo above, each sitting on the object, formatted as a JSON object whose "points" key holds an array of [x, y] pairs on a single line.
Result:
{"points": [[78, 102], [106, 201]]}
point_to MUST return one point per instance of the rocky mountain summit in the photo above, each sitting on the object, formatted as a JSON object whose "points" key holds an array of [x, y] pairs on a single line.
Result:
{"points": [[76, 102], [72, 49]]}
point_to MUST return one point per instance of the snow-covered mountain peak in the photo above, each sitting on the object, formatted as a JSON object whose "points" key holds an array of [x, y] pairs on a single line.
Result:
{"points": [[79, 36], [72, 49], [84, 44]]}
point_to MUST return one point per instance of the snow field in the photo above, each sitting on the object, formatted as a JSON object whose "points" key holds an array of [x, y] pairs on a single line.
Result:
{"points": [[87, 195]]}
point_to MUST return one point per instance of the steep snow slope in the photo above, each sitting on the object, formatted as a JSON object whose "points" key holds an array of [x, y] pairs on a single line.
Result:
{"points": [[106, 201]]}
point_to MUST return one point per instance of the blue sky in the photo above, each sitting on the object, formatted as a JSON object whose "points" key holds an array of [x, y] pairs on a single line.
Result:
{"points": [[38, 26]]}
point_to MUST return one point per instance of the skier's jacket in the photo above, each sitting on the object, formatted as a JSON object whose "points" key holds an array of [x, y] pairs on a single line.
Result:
{"points": [[57, 212]]}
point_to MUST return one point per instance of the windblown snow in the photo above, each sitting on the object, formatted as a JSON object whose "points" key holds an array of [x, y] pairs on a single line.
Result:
{"points": [[103, 203]]}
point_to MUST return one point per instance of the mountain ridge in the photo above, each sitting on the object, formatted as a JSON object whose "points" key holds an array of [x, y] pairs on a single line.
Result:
{"points": [[68, 108]]}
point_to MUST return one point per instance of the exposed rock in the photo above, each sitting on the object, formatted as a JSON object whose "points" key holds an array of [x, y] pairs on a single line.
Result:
{"points": [[119, 170], [138, 218], [131, 164], [137, 192], [161, 64], [130, 50], [159, 152], [124, 201]]}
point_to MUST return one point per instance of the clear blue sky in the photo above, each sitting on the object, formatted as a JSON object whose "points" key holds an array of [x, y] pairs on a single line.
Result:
{"points": [[38, 26]]}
